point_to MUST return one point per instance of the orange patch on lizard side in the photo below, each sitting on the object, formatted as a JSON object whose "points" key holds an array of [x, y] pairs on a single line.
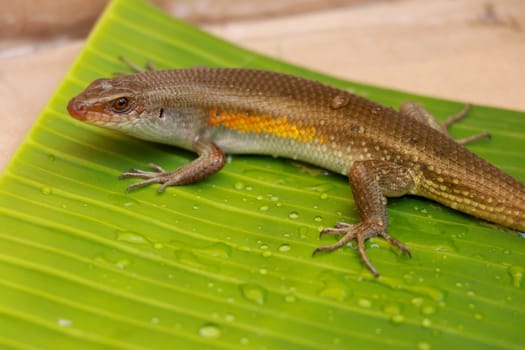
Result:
{"points": [[262, 124]]}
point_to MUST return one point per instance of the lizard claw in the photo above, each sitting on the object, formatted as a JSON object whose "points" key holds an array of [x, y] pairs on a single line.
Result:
{"points": [[396, 243], [360, 232]]}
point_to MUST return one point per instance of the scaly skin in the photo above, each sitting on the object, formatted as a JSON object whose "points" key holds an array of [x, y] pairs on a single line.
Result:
{"points": [[383, 152]]}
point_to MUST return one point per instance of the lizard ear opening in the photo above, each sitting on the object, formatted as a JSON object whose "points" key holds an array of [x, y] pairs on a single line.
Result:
{"points": [[121, 105]]}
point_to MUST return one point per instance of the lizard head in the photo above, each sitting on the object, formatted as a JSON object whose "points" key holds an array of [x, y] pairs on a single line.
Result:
{"points": [[133, 105], [111, 103]]}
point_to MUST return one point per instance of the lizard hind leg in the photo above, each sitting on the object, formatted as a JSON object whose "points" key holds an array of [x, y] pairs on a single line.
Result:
{"points": [[371, 181], [417, 111], [134, 67]]}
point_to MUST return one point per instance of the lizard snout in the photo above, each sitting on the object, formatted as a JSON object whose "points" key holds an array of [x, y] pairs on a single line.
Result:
{"points": [[77, 109]]}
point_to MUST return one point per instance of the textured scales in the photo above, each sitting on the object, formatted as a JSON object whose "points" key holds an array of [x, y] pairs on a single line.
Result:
{"points": [[383, 152]]}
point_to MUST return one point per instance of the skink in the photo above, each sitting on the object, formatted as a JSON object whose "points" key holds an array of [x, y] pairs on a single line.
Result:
{"points": [[385, 153]]}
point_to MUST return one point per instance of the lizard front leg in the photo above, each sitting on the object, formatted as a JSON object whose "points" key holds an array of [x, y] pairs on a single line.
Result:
{"points": [[372, 181], [211, 159]]}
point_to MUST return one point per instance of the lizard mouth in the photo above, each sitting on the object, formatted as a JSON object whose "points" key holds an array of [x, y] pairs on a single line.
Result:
{"points": [[84, 111]]}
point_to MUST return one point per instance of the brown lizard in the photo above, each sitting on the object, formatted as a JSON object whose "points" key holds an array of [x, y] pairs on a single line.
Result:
{"points": [[384, 153]]}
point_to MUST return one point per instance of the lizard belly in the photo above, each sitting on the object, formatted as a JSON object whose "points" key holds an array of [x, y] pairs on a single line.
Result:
{"points": [[331, 156]]}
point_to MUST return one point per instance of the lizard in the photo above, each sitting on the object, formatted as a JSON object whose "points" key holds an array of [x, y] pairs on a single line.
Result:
{"points": [[383, 152]]}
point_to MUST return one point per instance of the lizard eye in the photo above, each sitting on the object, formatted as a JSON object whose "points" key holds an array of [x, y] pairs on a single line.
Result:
{"points": [[121, 105]]}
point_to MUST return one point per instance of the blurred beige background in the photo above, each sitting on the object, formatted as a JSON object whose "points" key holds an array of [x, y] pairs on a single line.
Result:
{"points": [[468, 50]]}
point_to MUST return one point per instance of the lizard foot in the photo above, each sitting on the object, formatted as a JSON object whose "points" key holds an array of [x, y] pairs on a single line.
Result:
{"points": [[134, 68], [360, 232], [159, 175], [210, 160]]}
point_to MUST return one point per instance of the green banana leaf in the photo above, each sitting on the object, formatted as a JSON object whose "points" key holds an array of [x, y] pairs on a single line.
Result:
{"points": [[226, 263]]}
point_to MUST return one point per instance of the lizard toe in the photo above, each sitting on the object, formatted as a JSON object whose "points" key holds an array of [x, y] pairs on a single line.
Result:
{"points": [[360, 232]]}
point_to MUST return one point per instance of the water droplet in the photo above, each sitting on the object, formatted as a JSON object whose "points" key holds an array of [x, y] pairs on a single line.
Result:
{"points": [[122, 200], [284, 248], [101, 259], [155, 320], [428, 310], [195, 207], [122, 263], [426, 323], [46, 190], [263, 271], [62, 322], [238, 185], [264, 208], [417, 301], [323, 195], [363, 302], [210, 330], [392, 309], [158, 245], [293, 215], [397, 319], [478, 316], [339, 101], [423, 346], [253, 293], [516, 273], [51, 157], [244, 341], [189, 259], [375, 245], [290, 298], [229, 317], [321, 188], [131, 237], [216, 250], [318, 218], [267, 254]]}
